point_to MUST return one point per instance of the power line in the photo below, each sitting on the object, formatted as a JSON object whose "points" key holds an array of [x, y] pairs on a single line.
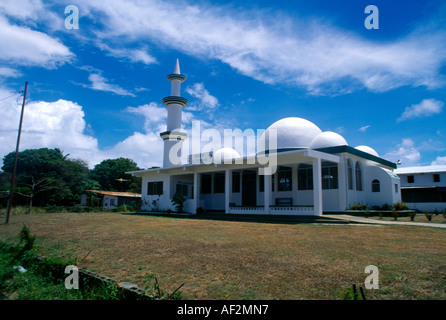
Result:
{"points": [[17, 93]]}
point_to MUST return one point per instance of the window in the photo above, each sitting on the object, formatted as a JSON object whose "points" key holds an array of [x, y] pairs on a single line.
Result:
{"points": [[436, 177], [358, 176], [305, 177], [206, 184], [182, 188], [349, 174], [329, 175], [219, 183], [396, 187], [236, 182], [155, 188], [112, 202], [376, 186], [284, 175]]}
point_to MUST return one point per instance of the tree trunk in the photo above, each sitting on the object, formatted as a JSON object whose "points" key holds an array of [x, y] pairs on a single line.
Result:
{"points": [[30, 205]]}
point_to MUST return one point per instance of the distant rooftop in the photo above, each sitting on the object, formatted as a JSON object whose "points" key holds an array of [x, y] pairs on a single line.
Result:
{"points": [[117, 194], [421, 169]]}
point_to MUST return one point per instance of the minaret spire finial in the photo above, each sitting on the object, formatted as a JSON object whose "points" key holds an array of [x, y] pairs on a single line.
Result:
{"points": [[177, 68]]}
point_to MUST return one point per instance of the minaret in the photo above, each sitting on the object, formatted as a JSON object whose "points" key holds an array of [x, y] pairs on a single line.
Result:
{"points": [[174, 104]]}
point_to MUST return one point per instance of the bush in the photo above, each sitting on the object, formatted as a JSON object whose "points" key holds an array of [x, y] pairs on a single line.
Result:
{"points": [[385, 207], [412, 215], [428, 215], [395, 214], [400, 206], [358, 207]]}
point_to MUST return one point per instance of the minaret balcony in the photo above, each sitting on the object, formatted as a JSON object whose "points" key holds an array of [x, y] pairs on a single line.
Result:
{"points": [[175, 100]]}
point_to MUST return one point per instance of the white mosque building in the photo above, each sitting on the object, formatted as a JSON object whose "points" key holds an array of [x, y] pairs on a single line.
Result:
{"points": [[316, 171]]}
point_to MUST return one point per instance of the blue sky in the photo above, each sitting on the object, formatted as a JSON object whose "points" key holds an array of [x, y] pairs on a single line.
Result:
{"points": [[95, 92]]}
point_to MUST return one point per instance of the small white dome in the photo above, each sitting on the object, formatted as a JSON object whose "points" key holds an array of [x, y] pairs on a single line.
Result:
{"points": [[368, 150], [292, 133], [224, 154], [328, 139]]}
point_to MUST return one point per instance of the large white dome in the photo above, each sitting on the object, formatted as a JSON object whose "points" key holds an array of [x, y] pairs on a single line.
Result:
{"points": [[328, 139], [225, 154], [368, 150], [292, 133]]}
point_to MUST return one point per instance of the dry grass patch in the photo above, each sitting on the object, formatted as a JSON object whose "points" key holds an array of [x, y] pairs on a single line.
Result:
{"points": [[242, 260]]}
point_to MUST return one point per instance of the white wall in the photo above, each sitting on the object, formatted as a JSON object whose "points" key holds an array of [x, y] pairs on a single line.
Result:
{"points": [[387, 192], [423, 180]]}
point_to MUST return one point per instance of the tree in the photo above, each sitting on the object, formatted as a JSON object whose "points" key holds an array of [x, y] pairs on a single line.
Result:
{"points": [[111, 175], [31, 190], [37, 167]]}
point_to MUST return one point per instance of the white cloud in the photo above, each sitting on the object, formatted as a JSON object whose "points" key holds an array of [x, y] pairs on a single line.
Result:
{"points": [[154, 116], [23, 46], [132, 55], [426, 108], [439, 161], [406, 152], [99, 83], [364, 128], [273, 48], [9, 72], [207, 102], [61, 124], [58, 124]]}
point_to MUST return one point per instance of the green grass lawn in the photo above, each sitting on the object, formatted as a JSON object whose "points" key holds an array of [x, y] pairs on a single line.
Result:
{"points": [[244, 260]]}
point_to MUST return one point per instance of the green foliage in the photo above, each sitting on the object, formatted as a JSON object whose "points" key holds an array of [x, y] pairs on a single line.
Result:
{"points": [[400, 206], [412, 215], [358, 206], [428, 215], [352, 294], [48, 178], [45, 176], [385, 207], [44, 279], [178, 200], [109, 171], [153, 289], [395, 214]]}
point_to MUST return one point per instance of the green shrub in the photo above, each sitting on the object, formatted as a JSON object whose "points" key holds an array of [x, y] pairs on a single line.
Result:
{"points": [[412, 215], [355, 206], [428, 215], [178, 201], [400, 206], [385, 207], [395, 214], [123, 208]]}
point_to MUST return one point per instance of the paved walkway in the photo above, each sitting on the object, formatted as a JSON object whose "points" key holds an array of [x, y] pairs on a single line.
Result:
{"points": [[374, 221]]}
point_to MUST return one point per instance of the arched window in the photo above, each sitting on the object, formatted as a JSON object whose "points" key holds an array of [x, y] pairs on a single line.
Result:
{"points": [[375, 186], [349, 174], [358, 175]]}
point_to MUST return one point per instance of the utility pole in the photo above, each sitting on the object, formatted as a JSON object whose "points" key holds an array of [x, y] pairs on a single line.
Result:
{"points": [[8, 210]]}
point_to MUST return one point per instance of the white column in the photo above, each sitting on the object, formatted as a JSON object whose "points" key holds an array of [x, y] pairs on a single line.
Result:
{"points": [[228, 180], [267, 192], [317, 187], [196, 192], [342, 187]]}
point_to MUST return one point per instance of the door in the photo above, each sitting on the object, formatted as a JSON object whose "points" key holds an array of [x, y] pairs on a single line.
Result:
{"points": [[249, 188]]}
